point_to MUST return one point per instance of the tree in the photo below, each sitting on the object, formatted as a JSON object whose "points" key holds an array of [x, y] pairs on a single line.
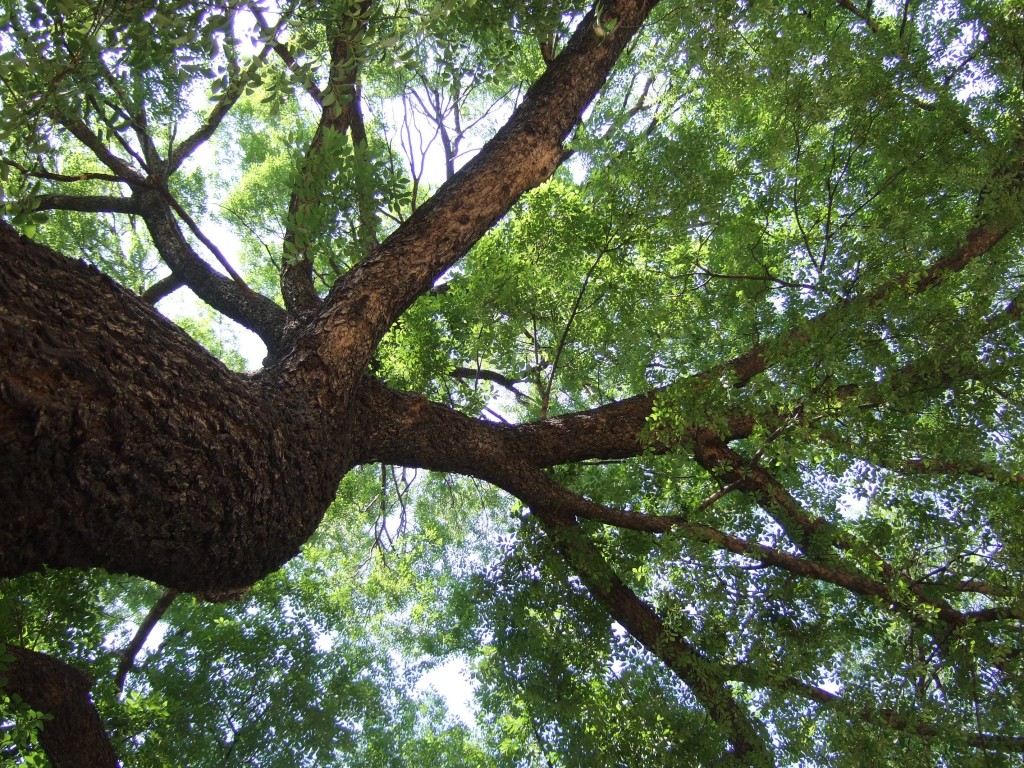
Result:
{"points": [[715, 375]]}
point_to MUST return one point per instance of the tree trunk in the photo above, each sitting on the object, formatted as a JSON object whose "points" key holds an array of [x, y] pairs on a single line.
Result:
{"points": [[74, 736], [124, 445]]}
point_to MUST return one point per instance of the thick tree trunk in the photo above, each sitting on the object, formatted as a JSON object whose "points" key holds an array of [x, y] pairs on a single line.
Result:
{"points": [[125, 445]]}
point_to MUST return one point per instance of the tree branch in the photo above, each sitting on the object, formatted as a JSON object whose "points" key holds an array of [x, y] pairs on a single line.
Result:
{"points": [[412, 431], [65, 177], [705, 677], [86, 203], [932, 466], [75, 737], [614, 431], [198, 233], [121, 169], [223, 106], [282, 51], [421, 433], [139, 640], [257, 313], [560, 347], [162, 289], [491, 453], [483, 374], [337, 111], [886, 718], [979, 240], [872, 24], [767, 278], [813, 535], [371, 296]]}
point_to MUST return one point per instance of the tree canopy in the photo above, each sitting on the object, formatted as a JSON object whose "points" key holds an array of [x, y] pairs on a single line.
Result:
{"points": [[654, 363]]}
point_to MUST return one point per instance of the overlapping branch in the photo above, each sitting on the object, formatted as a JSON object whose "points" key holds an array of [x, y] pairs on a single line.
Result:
{"points": [[424, 434], [614, 431], [162, 288], [705, 677], [254, 311]]}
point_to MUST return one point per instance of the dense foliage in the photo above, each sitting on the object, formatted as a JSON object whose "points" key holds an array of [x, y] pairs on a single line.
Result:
{"points": [[794, 227]]}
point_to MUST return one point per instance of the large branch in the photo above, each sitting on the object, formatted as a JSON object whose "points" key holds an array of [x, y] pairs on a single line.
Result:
{"points": [[257, 313], [705, 678], [86, 203], [613, 431], [74, 737], [981, 239], [370, 297], [408, 429]]}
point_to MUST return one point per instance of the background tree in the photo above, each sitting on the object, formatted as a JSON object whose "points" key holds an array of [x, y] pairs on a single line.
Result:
{"points": [[687, 416]]}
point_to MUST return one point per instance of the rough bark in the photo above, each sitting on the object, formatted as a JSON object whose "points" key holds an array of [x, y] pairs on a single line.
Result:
{"points": [[366, 302], [126, 446]]}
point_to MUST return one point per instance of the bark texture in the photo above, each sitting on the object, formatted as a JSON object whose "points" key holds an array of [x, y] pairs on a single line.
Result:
{"points": [[125, 446]]}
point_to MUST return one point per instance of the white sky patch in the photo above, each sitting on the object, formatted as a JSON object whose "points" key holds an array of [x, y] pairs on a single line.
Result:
{"points": [[452, 682], [183, 303], [853, 506], [325, 642]]}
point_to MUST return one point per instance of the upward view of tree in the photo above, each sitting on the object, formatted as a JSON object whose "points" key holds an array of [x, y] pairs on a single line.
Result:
{"points": [[659, 363]]}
